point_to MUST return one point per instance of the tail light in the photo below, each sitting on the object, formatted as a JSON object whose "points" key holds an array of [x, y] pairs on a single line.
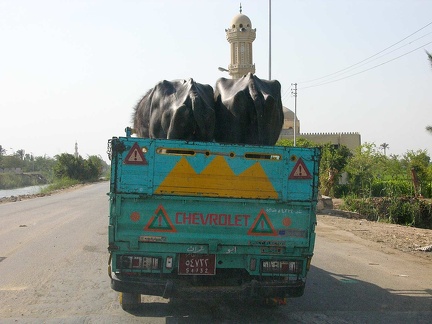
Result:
{"points": [[138, 262], [169, 262], [252, 266]]}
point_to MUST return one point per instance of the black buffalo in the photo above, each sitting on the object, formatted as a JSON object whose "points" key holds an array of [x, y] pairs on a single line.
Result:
{"points": [[179, 109], [248, 110]]}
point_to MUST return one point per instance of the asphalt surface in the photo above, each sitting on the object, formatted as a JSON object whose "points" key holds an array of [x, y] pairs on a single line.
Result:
{"points": [[53, 269]]}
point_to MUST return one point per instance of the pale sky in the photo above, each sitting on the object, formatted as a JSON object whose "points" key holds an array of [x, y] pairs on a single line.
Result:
{"points": [[73, 70]]}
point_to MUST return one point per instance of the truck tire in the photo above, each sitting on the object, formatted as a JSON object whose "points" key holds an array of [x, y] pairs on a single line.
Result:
{"points": [[129, 301]]}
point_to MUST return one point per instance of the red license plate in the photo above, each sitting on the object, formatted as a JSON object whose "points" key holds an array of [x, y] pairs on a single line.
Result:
{"points": [[197, 264]]}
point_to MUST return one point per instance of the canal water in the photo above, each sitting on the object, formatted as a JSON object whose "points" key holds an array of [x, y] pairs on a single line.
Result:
{"points": [[21, 191]]}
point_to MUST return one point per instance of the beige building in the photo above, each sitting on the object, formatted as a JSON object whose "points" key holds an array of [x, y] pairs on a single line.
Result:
{"points": [[352, 140]]}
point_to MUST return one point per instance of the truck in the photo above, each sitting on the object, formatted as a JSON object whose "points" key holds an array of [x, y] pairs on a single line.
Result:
{"points": [[207, 220]]}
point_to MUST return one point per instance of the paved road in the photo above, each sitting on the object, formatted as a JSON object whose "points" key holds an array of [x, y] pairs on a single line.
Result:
{"points": [[53, 269]]}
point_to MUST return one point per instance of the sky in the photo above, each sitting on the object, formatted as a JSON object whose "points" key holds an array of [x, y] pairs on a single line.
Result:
{"points": [[72, 71]]}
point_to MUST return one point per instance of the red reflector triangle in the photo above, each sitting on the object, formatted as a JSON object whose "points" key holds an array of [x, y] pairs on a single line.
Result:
{"points": [[160, 222], [135, 156], [300, 171], [262, 226]]}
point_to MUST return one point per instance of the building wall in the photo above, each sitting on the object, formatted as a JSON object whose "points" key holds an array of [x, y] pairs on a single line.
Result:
{"points": [[350, 140]]}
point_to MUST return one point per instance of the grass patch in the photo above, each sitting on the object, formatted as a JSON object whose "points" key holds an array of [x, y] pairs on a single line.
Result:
{"points": [[59, 184]]}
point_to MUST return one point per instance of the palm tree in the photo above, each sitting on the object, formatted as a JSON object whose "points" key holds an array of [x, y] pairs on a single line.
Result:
{"points": [[385, 146]]}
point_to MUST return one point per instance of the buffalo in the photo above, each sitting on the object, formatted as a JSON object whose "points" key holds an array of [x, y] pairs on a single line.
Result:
{"points": [[239, 111], [179, 109], [248, 110]]}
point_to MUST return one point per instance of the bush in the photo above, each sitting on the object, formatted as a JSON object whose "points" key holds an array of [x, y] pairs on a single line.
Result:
{"points": [[76, 168], [362, 206], [398, 210], [427, 190], [391, 188], [341, 191]]}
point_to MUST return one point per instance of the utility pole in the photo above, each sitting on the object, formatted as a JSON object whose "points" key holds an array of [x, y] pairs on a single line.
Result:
{"points": [[294, 93], [269, 39]]}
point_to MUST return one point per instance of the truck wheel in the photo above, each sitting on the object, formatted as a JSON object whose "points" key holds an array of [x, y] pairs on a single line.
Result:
{"points": [[129, 301]]}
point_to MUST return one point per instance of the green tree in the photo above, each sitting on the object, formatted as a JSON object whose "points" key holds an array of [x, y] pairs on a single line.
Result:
{"points": [[94, 166], [300, 142], [11, 162], [417, 163], [419, 160], [76, 168], [394, 169], [2, 152], [333, 161], [366, 164], [44, 164], [20, 154], [67, 166]]}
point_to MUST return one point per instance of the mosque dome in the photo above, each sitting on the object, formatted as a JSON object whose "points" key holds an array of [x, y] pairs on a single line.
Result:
{"points": [[288, 124], [288, 114], [241, 21]]}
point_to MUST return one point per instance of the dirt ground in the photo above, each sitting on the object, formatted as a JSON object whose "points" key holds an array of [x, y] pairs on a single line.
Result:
{"points": [[403, 238]]}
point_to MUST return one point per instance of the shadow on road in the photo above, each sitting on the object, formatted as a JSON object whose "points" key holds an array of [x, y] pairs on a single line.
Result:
{"points": [[328, 297]]}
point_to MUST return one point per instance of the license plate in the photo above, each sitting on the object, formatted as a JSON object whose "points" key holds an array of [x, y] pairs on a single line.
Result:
{"points": [[197, 264]]}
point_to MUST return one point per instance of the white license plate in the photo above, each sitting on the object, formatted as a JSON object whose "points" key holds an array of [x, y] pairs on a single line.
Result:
{"points": [[197, 264]]}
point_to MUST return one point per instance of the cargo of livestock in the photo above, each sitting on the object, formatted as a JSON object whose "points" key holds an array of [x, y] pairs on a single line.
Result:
{"points": [[200, 220]]}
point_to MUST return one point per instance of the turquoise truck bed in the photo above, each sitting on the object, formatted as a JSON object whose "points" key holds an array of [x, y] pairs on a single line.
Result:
{"points": [[201, 220]]}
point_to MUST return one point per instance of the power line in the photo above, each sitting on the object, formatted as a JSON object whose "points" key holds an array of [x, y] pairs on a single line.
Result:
{"points": [[373, 67], [347, 70], [366, 59], [359, 64], [398, 48]]}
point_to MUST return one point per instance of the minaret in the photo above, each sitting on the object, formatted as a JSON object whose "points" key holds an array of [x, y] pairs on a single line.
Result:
{"points": [[240, 36], [76, 150]]}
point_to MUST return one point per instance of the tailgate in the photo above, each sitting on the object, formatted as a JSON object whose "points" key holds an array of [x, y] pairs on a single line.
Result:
{"points": [[207, 225], [178, 168]]}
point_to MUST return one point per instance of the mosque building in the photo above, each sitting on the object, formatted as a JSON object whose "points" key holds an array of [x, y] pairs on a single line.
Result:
{"points": [[240, 36]]}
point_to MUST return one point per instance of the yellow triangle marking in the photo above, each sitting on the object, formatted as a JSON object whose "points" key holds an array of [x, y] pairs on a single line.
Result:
{"points": [[218, 167], [217, 180]]}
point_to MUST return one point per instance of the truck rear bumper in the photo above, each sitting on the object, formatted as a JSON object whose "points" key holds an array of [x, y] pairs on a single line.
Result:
{"points": [[168, 288]]}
